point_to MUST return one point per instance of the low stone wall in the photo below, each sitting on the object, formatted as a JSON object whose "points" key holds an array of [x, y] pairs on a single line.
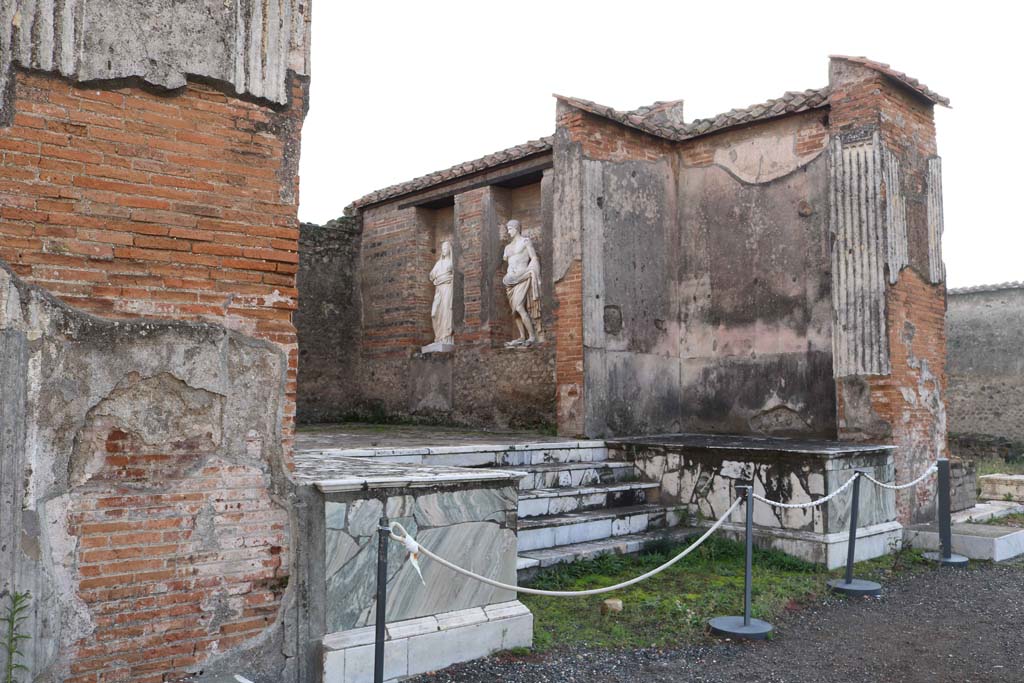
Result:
{"points": [[985, 366], [704, 472], [466, 516]]}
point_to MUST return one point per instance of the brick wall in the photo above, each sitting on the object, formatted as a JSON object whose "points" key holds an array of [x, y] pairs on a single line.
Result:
{"points": [[126, 203]]}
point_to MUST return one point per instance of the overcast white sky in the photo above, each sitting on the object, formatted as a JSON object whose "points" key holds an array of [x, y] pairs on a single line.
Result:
{"points": [[401, 89]]}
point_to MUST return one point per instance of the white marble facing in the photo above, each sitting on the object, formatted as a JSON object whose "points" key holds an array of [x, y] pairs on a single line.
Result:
{"points": [[420, 645], [334, 473]]}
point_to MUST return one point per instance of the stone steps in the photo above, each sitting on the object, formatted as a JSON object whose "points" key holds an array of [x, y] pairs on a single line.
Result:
{"points": [[568, 474], [554, 501], [577, 527], [505, 455], [530, 562]]}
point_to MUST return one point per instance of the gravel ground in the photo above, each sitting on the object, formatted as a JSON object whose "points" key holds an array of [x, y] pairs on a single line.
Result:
{"points": [[935, 626]]}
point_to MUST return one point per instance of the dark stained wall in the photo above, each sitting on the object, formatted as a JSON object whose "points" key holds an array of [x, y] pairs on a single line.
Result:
{"points": [[328, 320], [706, 285]]}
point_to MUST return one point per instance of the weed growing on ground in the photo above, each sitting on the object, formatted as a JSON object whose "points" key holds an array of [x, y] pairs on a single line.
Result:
{"points": [[13, 619], [999, 466], [1014, 520]]}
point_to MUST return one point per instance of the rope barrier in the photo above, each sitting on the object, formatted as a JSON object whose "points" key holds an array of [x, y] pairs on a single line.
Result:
{"points": [[813, 503], [744, 627], [897, 487], [849, 482], [415, 548]]}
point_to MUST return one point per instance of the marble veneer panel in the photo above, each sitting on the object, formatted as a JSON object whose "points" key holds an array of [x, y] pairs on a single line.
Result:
{"points": [[704, 473], [472, 525]]}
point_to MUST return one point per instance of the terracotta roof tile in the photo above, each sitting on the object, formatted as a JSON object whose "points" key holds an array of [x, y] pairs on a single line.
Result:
{"points": [[790, 103], [912, 83], [505, 156]]}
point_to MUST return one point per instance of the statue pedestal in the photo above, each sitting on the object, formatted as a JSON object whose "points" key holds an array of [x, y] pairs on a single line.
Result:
{"points": [[437, 347]]}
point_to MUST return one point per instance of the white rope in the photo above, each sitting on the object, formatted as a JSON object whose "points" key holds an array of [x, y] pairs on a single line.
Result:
{"points": [[897, 487], [565, 594], [813, 503]]}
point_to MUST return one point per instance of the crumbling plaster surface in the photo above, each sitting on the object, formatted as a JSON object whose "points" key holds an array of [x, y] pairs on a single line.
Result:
{"points": [[250, 44], [96, 411], [707, 302]]}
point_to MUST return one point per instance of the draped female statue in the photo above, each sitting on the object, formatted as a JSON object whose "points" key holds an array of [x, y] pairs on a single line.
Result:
{"points": [[442, 275]]}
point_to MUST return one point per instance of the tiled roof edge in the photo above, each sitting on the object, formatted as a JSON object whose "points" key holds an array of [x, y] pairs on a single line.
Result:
{"points": [[987, 288], [505, 156], [886, 70], [790, 103]]}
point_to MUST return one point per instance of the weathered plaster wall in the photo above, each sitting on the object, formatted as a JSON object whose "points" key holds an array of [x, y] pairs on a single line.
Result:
{"points": [[328, 320], [145, 493], [707, 304], [985, 366], [249, 44]]}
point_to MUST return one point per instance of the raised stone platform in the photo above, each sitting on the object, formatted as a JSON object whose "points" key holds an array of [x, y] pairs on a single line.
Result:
{"points": [[703, 472], [468, 516]]}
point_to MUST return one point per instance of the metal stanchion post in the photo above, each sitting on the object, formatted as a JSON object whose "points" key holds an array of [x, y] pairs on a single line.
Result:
{"points": [[382, 597], [945, 555], [849, 585], [744, 627]]}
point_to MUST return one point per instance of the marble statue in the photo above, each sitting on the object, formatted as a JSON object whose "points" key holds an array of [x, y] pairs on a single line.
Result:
{"points": [[442, 275], [522, 283]]}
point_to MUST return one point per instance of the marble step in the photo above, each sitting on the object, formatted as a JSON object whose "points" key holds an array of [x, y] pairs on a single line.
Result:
{"points": [[556, 501], [976, 541], [501, 455], [569, 474], [591, 525], [530, 562]]}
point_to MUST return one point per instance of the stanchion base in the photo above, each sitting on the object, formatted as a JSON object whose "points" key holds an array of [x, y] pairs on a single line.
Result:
{"points": [[855, 587], [733, 627], [953, 560]]}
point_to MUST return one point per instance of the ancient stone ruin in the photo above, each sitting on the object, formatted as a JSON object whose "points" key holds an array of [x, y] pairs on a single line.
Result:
{"points": [[756, 298], [775, 270]]}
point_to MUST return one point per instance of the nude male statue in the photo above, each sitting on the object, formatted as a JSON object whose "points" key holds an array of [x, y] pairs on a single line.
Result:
{"points": [[522, 283]]}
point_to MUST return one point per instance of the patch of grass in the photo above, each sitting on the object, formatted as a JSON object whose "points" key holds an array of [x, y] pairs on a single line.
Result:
{"points": [[674, 606], [1015, 520], [998, 466]]}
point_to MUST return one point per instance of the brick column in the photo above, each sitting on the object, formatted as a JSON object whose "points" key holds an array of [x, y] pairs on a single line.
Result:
{"points": [[888, 279]]}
